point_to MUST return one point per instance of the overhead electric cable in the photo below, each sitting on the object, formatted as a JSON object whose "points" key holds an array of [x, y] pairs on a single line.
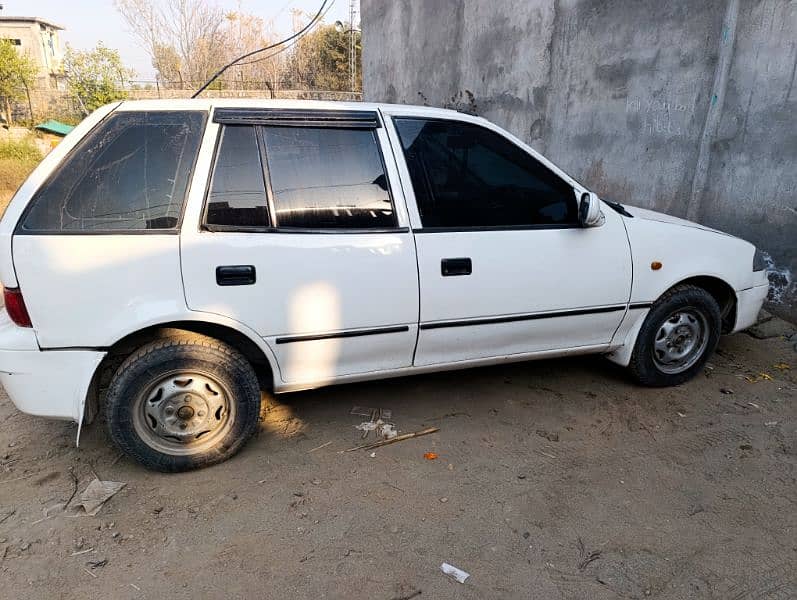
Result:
{"points": [[296, 35], [284, 48]]}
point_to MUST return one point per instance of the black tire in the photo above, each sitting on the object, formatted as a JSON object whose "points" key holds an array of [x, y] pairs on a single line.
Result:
{"points": [[647, 358], [212, 370]]}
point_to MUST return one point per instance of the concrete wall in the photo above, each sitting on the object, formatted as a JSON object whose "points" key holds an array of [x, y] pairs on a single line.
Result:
{"points": [[681, 106]]}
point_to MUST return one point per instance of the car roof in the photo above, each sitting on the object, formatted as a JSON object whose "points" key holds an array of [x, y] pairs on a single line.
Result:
{"points": [[208, 103]]}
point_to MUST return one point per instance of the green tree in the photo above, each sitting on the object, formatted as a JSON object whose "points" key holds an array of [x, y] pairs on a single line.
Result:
{"points": [[321, 59], [17, 72], [96, 77]]}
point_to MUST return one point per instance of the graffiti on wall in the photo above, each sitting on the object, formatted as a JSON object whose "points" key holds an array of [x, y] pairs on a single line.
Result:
{"points": [[660, 117]]}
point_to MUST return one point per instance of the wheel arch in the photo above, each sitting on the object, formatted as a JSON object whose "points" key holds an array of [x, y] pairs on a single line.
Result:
{"points": [[719, 289], [252, 347]]}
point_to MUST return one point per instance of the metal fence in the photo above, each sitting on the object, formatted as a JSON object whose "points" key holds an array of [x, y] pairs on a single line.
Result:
{"points": [[150, 93], [46, 104]]}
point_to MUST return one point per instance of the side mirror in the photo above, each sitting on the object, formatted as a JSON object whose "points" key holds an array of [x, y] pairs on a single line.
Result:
{"points": [[589, 210]]}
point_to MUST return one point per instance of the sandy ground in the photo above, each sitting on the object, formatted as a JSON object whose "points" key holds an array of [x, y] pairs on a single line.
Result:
{"points": [[555, 479]]}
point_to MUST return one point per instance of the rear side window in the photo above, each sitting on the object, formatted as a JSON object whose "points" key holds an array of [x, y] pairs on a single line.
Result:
{"points": [[466, 176], [130, 173], [324, 178], [237, 196]]}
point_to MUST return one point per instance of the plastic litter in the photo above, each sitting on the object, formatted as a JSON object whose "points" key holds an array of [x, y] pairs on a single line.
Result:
{"points": [[98, 493], [383, 430], [430, 455], [377, 422], [755, 378], [454, 572]]}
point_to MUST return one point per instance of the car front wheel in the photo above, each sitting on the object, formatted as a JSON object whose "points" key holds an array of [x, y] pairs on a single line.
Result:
{"points": [[183, 403], [679, 334]]}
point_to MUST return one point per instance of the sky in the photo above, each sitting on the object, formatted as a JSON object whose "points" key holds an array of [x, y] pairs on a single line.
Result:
{"points": [[87, 22]]}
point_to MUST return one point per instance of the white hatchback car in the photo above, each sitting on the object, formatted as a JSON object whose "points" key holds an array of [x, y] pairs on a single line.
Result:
{"points": [[171, 259]]}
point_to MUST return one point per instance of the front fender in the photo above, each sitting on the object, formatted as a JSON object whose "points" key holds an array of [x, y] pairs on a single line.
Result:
{"points": [[684, 253]]}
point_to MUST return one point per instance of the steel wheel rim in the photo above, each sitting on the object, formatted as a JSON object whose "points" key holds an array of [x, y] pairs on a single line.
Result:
{"points": [[680, 341], [183, 413]]}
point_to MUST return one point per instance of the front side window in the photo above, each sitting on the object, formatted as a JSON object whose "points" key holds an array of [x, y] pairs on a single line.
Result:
{"points": [[465, 176], [327, 178], [130, 173]]}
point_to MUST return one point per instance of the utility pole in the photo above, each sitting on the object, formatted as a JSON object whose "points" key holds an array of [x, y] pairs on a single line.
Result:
{"points": [[352, 31], [352, 48]]}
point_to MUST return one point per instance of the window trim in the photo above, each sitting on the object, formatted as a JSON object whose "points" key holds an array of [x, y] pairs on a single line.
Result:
{"points": [[273, 227], [486, 228], [266, 172], [301, 231], [20, 230], [480, 228], [291, 117]]}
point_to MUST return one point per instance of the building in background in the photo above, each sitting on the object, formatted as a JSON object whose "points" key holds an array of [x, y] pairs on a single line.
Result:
{"points": [[40, 40], [685, 107]]}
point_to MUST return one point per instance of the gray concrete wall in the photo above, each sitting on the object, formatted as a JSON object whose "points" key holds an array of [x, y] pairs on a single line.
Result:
{"points": [[682, 106]]}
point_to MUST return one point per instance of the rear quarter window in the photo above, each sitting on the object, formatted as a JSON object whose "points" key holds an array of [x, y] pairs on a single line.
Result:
{"points": [[130, 173]]}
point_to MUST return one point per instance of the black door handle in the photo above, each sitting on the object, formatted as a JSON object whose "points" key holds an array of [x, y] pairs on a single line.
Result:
{"points": [[451, 267], [235, 275]]}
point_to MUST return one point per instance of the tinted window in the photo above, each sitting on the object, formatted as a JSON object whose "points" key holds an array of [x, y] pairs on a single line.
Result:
{"points": [[130, 173], [327, 178], [237, 192], [468, 176]]}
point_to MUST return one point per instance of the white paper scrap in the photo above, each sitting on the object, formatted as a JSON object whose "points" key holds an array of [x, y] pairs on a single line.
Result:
{"points": [[452, 571]]}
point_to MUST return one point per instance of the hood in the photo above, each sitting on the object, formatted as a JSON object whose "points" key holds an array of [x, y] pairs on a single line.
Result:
{"points": [[652, 215]]}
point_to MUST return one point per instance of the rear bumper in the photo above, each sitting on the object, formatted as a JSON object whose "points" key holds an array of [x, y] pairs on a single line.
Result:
{"points": [[748, 305], [50, 383]]}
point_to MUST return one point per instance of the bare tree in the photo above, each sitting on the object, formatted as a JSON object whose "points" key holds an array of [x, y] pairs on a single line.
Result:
{"points": [[244, 33], [184, 37], [189, 40]]}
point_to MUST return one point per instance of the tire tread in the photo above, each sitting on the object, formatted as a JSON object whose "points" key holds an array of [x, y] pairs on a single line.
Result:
{"points": [[232, 361], [641, 365]]}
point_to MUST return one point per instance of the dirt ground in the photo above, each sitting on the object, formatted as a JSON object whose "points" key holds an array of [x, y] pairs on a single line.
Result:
{"points": [[554, 479], [5, 198]]}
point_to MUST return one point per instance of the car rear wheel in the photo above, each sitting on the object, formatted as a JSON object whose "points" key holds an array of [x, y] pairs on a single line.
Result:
{"points": [[183, 403], [679, 334]]}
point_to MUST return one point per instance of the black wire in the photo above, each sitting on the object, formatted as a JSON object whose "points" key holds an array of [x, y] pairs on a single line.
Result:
{"points": [[293, 43], [257, 60], [299, 33]]}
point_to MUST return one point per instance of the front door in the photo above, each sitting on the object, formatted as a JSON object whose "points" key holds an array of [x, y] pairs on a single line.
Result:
{"points": [[504, 268], [302, 240]]}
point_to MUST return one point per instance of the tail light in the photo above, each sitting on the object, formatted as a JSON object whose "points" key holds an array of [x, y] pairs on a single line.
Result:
{"points": [[15, 306]]}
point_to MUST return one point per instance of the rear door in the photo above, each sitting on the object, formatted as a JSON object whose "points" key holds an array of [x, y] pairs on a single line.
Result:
{"points": [[504, 267], [304, 239]]}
